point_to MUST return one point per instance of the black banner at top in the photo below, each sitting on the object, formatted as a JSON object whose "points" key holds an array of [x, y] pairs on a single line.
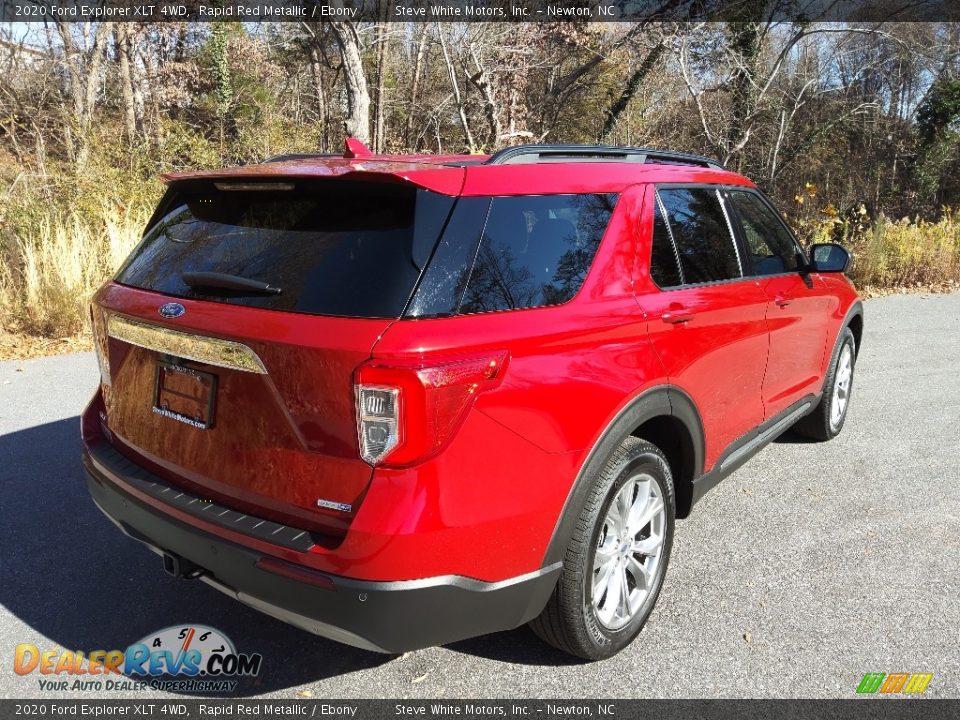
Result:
{"points": [[867, 11]]}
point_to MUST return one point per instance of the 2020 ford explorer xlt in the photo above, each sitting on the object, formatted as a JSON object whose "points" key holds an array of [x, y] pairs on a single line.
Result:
{"points": [[400, 401]]}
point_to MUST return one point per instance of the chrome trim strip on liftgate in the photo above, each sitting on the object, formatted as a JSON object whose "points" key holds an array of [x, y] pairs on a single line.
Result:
{"points": [[199, 348]]}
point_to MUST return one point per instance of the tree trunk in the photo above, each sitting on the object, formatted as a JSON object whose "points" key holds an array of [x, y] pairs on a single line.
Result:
{"points": [[320, 96], [461, 111], [379, 109], [136, 83], [84, 69], [415, 87], [357, 122], [491, 110], [633, 84], [122, 38], [745, 42]]}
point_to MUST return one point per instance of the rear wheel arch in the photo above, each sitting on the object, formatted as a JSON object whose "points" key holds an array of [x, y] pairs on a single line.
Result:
{"points": [[687, 456], [664, 416]]}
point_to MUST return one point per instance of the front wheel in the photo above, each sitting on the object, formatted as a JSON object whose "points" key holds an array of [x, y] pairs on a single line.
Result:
{"points": [[826, 420], [615, 563]]}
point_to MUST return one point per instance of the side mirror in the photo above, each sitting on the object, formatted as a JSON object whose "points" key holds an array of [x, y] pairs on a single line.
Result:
{"points": [[829, 257]]}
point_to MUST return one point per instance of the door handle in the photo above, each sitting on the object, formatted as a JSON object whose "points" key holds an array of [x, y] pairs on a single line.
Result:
{"points": [[677, 314], [783, 300]]}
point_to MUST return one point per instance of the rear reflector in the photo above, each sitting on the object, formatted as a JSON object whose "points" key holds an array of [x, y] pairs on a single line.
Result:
{"points": [[295, 572]]}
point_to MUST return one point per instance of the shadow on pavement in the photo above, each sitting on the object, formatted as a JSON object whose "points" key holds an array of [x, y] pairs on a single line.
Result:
{"points": [[518, 646], [791, 437], [75, 578]]}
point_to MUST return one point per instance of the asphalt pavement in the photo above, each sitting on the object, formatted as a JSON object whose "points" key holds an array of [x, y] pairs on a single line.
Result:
{"points": [[810, 566]]}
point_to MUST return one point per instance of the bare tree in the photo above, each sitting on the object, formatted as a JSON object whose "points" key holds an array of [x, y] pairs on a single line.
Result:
{"points": [[379, 107], [457, 96], [320, 96], [357, 120], [418, 68], [733, 76], [83, 56], [122, 35]]}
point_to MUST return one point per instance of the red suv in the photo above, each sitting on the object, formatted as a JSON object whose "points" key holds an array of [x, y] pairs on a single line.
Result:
{"points": [[400, 401]]}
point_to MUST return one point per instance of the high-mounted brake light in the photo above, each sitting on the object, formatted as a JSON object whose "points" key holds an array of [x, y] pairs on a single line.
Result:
{"points": [[407, 411], [252, 187]]}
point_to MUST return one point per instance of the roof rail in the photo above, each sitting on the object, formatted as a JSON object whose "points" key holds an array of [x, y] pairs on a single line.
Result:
{"points": [[524, 154]]}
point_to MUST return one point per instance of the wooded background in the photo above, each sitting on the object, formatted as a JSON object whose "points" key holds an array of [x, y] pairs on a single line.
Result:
{"points": [[851, 128]]}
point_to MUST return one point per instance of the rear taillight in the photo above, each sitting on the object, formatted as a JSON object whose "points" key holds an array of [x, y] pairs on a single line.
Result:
{"points": [[98, 320], [407, 411], [378, 421]]}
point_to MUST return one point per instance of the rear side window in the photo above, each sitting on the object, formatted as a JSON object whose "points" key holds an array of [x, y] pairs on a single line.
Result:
{"points": [[535, 251], [697, 226], [771, 246], [342, 248], [506, 253]]}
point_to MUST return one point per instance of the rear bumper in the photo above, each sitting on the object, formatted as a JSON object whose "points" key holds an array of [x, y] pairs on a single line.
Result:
{"points": [[390, 617]]}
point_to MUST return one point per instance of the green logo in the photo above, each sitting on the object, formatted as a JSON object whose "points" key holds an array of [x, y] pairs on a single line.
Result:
{"points": [[910, 683]]}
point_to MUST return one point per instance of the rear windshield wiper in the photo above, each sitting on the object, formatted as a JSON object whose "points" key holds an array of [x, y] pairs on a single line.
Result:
{"points": [[229, 282]]}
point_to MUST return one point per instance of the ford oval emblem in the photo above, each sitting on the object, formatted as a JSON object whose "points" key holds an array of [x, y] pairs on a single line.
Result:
{"points": [[172, 310]]}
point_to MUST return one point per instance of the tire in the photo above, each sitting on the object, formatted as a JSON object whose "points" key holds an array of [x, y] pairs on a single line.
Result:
{"points": [[826, 421], [635, 477]]}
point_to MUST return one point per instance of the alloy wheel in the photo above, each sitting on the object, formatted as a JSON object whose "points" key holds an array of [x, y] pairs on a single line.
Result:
{"points": [[841, 387], [628, 551]]}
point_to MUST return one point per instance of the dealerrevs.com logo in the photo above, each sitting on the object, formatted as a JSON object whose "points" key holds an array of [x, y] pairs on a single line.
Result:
{"points": [[180, 658]]}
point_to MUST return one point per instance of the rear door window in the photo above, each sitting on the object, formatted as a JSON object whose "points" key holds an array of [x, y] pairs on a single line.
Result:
{"points": [[343, 248], [697, 225], [535, 251]]}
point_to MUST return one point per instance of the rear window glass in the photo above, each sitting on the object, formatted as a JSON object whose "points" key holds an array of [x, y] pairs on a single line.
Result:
{"points": [[342, 248], [535, 250]]}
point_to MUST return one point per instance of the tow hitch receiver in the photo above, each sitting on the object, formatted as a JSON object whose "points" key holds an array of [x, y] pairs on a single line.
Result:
{"points": [[181, 567]]}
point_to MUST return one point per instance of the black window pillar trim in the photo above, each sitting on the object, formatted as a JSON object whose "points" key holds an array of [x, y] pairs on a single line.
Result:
{"points": [[739, 234]]}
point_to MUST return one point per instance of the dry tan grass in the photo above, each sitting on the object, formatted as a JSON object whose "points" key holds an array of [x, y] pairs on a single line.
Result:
{"points": [[892, 255], [54, 267], [18, 346]]}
